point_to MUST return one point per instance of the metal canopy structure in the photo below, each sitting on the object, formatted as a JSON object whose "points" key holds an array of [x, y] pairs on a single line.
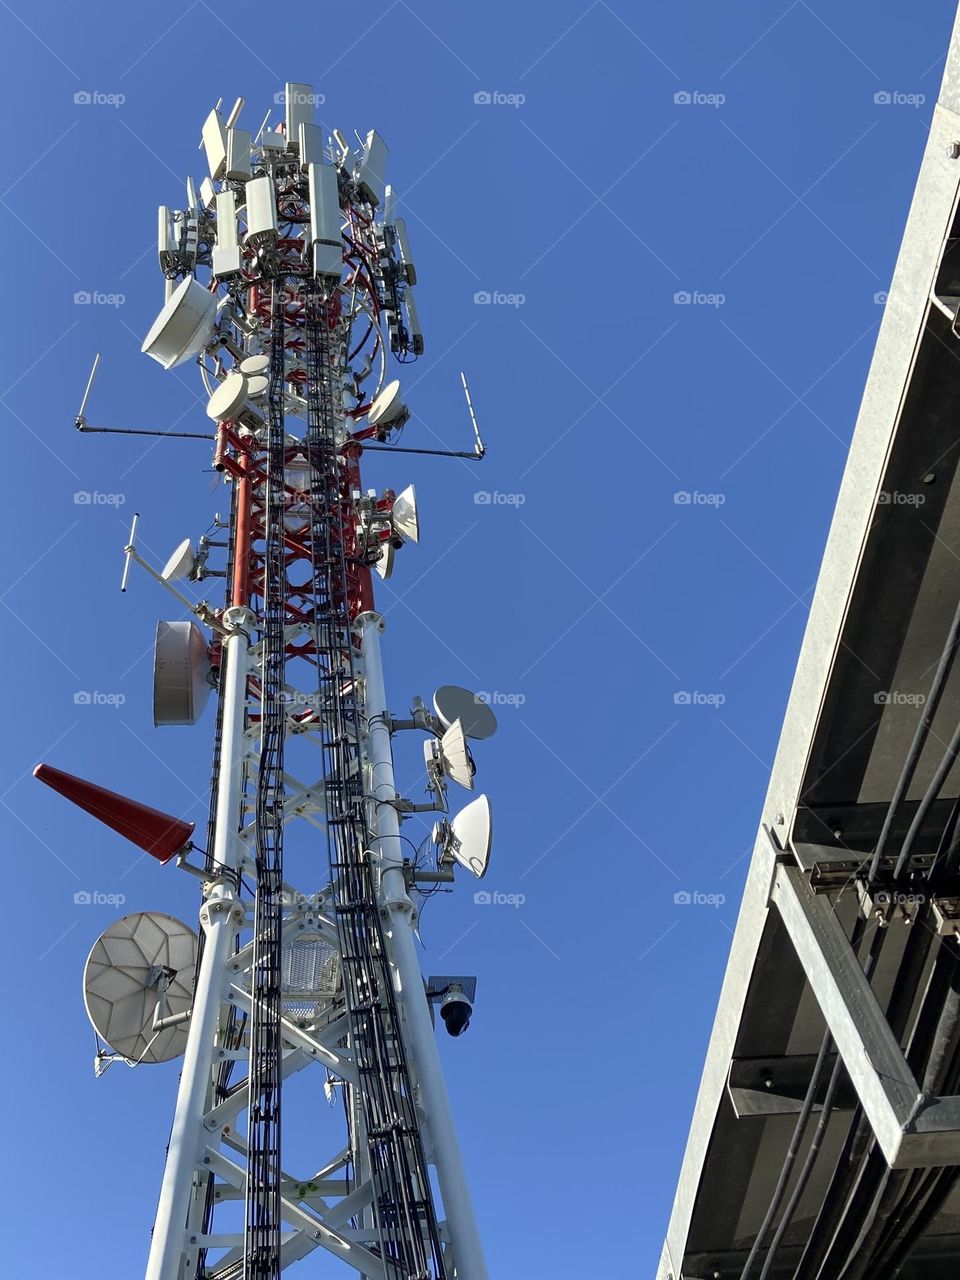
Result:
{"points": [[825, 1141]]}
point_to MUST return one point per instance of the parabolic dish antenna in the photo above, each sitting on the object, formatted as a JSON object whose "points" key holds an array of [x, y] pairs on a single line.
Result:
{"points": [[468, 839], [404, 514], [388, 407], [451, 702], [258, 385], [122, 982], [228, 399], [384, 566], [183, 327], [180, 564], [255, 366]]}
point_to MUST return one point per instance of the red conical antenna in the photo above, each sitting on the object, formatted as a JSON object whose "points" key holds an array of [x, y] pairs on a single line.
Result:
{"points": [[160, 834]]}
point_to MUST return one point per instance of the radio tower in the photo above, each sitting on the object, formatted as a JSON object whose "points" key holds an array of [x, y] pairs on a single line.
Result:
{"points": [[289, 281]]}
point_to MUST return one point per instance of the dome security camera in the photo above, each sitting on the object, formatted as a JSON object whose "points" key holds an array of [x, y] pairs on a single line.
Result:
{"points": [[455, 1010]]}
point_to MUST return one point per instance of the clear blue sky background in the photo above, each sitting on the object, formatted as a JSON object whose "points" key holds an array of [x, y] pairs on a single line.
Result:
{"points": [[594, 597]]}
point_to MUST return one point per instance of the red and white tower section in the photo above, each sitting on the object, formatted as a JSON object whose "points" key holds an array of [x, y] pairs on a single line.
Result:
{"points": [[311, 1119]]}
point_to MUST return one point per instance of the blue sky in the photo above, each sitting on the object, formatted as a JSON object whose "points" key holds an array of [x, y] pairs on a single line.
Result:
{"points": [[685, 218]]}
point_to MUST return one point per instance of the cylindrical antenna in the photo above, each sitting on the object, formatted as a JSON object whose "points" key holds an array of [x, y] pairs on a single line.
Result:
{"points": [[263, 126], [80, 419], [129, 548], [473, 417], [234, 114]]}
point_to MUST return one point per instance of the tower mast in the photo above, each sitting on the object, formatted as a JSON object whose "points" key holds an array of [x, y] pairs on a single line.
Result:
{"points": [[289, 280]]}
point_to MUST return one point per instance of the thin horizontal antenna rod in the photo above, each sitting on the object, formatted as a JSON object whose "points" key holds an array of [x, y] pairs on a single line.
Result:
{"points": [[434, 453], [133, 431]]}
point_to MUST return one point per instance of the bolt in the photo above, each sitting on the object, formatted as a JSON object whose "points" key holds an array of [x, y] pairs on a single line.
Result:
{"points": [[779, 819]]}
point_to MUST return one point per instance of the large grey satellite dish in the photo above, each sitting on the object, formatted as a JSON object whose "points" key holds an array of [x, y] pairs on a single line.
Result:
{"points": [[128, 967], [468, 839], [184, 326], [451, 702], [180, 670]]}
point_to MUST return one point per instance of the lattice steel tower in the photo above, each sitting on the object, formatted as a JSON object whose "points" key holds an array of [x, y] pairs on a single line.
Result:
{"points": [[289, 281]]}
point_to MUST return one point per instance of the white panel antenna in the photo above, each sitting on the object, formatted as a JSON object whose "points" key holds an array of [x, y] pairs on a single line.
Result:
{"points": [[299, 99], [238, 155], [215, 145], [373, 168], [261, 210]]}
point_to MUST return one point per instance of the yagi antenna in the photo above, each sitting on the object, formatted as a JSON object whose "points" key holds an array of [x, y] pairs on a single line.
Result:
{"points": [[81, 423], [477, 454]]}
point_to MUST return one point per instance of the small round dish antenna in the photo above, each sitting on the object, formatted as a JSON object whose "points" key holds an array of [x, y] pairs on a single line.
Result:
{"points": [[257, 385], [468, 838], [228, 399], [141, 972], [181, 563], [451, 703], [255, 366], [184, 326], [388, 410]]}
